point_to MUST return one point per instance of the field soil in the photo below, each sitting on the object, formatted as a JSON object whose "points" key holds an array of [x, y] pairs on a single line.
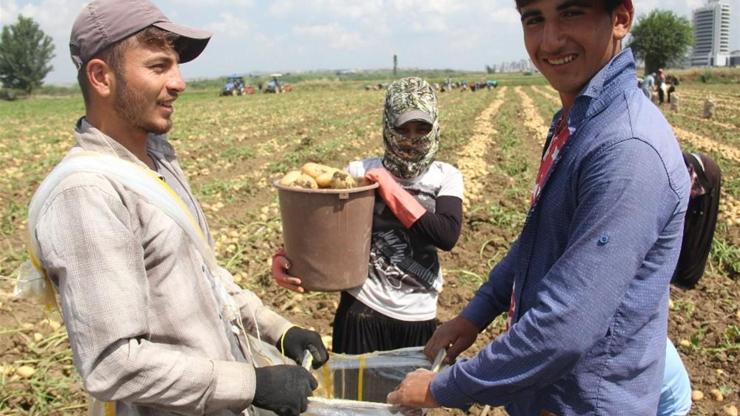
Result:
{"points": [[234, 147]]}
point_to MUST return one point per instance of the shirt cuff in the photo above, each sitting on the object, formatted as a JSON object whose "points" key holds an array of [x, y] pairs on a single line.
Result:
{"points": [[446, 392], [234, 385], [479, 313]]}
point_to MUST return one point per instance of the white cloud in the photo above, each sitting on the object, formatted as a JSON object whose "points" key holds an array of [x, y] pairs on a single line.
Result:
{"points": [[680, 7], [211, 3], [55, 17], [8, 12], [352, 9], [307, 34], [506, 16], [229, 25], [433, 24], [333, 34]]}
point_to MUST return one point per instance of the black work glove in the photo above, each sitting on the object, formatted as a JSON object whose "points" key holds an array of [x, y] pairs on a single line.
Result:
{"points": [[283, 389], [296, 340]]}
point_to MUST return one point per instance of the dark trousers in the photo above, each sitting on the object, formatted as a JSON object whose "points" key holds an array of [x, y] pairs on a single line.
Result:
{"points": [[359, 329]]}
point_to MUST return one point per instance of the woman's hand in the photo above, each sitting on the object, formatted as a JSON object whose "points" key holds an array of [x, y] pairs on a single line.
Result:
{"points": [[280, 267]]}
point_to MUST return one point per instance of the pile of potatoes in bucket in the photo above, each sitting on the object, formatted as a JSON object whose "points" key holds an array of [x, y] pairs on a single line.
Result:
{"points": [[315, 176]]}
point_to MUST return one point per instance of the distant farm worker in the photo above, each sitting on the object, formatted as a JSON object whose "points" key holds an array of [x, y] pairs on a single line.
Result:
{"points": [[155, 325], [648, 84], [418, 212], [660, 83], [586, 283], [671, 82]]}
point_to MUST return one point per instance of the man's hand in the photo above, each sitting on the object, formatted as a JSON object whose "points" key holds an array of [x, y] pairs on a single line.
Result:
{"points": [[456, 335], [280, 266], [283, 389], [414, 391], [296, 340]]}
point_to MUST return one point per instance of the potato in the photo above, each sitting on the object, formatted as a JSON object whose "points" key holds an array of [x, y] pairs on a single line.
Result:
{"points": [[325, 179], [25, 371], [315, 175], [290, 178], [298, 179], [342, 180], [316, 169], [306, 181]]}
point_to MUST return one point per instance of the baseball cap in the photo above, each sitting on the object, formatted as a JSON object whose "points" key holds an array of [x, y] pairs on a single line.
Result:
{"points": [[102, 23], [413, 115]]}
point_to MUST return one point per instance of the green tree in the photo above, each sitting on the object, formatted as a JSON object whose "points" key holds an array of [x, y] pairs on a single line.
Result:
{"points": [[25, 53], [660, 38]]}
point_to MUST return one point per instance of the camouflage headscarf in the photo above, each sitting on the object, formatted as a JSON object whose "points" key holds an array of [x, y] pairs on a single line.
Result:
{"points": [[414, 158]]}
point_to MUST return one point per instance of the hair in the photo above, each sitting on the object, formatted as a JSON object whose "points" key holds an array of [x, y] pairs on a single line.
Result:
{"points": [[113, 54], [611, 5]]}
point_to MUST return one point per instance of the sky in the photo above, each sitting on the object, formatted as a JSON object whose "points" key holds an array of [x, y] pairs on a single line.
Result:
{"points": [[298, 35]]}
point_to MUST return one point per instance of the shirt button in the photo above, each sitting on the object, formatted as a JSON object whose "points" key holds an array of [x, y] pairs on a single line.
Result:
{"points": [[603, 239]]}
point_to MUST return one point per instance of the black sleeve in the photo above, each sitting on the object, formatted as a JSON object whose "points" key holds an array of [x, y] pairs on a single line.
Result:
{"points": [[442, 227]]}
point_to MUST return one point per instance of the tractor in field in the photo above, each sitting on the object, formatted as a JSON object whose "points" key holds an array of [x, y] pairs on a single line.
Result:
{"points": [[235, 85], [276, 86]]}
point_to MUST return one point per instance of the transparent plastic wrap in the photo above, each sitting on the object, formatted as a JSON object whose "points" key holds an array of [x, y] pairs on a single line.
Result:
{"points": [[353, 384], [359, 384]]}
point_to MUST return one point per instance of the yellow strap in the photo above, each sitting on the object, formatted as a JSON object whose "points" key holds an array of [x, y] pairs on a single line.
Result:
{"points": [[174, 196], [282, 338], [328, 379], [110, 409], [100, 408], [49, 298], [360, 376], [157, 179]]}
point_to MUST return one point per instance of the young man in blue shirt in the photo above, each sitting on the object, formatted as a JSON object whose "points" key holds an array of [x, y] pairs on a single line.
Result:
{"points": [[586, 282]]}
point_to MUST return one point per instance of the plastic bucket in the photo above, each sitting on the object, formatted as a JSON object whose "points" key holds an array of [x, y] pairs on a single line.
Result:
{"points": [[326, 233]]}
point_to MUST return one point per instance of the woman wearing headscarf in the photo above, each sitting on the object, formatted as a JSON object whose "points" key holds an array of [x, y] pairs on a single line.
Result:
{"points": [[701, 219], [419, 210], [699, 226]]}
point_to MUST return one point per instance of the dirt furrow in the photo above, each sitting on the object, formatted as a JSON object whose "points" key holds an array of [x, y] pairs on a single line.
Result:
{"points": [[471, 159], [729, 209], [549, 93], [531, 118], [701, 142], [713, 123], [708, 145], [718, 100]]}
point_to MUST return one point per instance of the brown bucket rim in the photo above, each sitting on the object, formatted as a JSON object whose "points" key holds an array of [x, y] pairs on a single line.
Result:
{"points": [[277, 185]]}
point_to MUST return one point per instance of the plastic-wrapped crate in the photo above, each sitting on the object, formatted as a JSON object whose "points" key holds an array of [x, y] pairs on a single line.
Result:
{"points": [[367, 377], [353, 384]]}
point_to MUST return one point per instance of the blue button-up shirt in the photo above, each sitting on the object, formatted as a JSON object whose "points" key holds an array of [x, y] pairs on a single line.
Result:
{"points": [[590, 269]]}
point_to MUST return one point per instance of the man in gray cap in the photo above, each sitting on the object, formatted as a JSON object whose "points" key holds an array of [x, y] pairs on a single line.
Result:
{"points": [[155, 325]]}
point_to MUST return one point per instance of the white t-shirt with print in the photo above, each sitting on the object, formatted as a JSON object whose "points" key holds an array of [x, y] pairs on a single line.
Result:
{"points": [[404, 277]]}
